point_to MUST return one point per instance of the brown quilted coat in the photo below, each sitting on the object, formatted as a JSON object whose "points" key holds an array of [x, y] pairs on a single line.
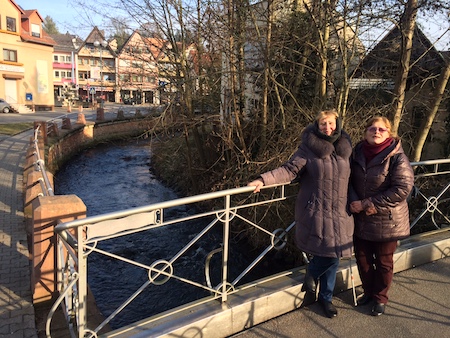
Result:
{"points": [[324, 225], [384, 183]]}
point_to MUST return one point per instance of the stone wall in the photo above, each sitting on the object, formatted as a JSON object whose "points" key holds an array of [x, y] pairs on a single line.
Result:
{"points": [[84, 136], [43, 210]]}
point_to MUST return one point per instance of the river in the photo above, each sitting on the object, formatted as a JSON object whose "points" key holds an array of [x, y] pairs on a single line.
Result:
{"points": [[118, 176]]}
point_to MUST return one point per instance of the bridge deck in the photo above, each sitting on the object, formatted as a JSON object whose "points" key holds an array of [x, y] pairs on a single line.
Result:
{"points": [[419, 303]]}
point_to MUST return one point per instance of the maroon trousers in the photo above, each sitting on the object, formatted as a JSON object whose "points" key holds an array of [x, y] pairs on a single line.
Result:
{"points": [[375, 262]]}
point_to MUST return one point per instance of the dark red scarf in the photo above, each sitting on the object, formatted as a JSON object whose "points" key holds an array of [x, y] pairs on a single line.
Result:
{"points": [[371, 150]]}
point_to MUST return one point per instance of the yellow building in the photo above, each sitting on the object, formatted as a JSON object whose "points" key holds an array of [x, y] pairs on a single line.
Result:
{"points": [[26, 72]]}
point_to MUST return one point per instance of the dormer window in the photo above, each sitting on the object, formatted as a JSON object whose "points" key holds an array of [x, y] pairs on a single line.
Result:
{"points": [[11, 24], [35, 30]]}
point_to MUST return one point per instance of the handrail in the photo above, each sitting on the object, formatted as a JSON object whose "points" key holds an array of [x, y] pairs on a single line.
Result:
{"points": [[83, 236], [46, 186]]}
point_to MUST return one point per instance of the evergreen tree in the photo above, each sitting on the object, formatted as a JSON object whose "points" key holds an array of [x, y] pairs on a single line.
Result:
{"points": [[50, 26]]}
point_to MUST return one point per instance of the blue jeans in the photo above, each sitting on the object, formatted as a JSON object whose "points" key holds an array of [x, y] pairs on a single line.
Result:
{"points": [[323, 269]]}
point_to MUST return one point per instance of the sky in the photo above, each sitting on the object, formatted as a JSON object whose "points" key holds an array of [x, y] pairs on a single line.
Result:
{"points": [[66, 15], [72, 17]]}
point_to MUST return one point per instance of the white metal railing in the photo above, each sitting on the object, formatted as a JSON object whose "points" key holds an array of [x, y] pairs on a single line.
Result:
{"points": [[433, 190], [39, 164], [93, 230], [79, 238]]}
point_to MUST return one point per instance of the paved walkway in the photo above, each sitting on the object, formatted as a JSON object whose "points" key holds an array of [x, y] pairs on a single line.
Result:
{"points": [[17, 316], [419, 306]]}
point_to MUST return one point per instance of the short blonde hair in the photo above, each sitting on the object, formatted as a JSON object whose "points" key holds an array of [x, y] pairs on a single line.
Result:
{"points": [[325, 113], [383, 119]]}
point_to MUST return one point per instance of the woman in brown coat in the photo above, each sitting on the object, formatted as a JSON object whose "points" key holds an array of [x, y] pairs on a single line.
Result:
{"points": [[324, 224], [382, 179]]}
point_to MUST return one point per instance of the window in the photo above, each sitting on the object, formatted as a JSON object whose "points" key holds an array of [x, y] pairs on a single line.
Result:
{"points": [[9, 55], [55, 58], [68, 59], [56, 73], [11, 24], [35, 30], [83, 75], [69, 74]]}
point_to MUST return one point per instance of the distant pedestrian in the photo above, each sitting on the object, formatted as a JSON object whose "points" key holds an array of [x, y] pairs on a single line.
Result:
{"points": [[382, 179], [324, 224]]}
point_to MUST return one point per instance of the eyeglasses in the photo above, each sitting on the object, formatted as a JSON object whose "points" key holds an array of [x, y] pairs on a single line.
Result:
{"points": [[375, 129]]}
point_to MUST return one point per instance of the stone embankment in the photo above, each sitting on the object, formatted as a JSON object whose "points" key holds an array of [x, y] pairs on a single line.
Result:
{"points": [[43, 210]]}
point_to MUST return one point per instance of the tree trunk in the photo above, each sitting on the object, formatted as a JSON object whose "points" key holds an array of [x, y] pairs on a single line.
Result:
{"points": [[265, 107], [425, 126], [407, 25]]}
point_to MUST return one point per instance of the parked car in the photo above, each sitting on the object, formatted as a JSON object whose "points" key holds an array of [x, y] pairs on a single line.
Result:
{"points": [[5, 106], [131, 100]]}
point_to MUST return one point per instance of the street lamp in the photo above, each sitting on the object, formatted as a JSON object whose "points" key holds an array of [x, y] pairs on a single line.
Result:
{"points": [[103, 44]]}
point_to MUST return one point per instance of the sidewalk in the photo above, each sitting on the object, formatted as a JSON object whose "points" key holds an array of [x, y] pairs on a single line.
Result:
{"points": [[17, 316], [419, 306]]}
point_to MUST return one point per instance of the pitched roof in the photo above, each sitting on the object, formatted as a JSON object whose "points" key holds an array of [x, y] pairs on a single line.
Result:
{"points": [[17, 6], [382, 60], [28, 12], [97, 35], [66, 42], [26, 35], [156, 46]]}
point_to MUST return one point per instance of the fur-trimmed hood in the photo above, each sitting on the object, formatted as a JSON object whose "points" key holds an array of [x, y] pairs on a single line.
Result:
{"points": [[323, 148]]}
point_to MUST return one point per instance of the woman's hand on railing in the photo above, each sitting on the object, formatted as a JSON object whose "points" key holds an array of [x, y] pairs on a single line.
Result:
{"points": [[258, 184]]}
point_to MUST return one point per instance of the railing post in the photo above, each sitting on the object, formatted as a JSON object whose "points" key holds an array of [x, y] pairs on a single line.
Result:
{"points": [[66, 123], [226, 238], [46, 211], [100, 114], [42, 125], [82, 285], [81, 119]]}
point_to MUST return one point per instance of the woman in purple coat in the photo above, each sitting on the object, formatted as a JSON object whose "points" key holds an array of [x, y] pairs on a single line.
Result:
{"points": [[324, 225], [382, 179]]}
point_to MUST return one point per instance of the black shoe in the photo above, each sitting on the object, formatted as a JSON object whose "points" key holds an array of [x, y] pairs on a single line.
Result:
{"points": [[363, 299], [378, 309], [308, 299], [309, 285], [329, 309]]}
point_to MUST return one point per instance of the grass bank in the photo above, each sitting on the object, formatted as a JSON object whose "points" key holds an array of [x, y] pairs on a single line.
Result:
{"points": [[15, 128]]}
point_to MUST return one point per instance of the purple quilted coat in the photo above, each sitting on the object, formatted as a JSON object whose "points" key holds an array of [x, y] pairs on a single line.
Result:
{"points": [[324, 225], [384, 183]]}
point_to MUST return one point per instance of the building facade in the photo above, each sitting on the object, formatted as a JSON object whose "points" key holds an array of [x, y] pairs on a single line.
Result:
{"points": [[26, 70], [137, 72], [65, 56], [96, 69]]}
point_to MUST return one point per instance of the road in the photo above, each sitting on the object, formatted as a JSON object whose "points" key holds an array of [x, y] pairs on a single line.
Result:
{"points": [[90, 114]]}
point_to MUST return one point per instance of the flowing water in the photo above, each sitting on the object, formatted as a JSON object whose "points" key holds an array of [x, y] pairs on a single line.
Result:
{"points": [[118, 176]]}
